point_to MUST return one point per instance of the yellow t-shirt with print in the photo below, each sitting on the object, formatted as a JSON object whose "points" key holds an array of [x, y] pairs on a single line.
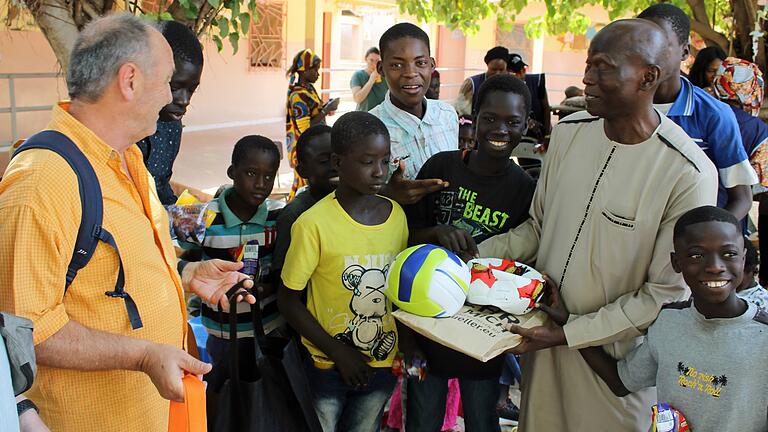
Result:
{"points": [[344, 265]]}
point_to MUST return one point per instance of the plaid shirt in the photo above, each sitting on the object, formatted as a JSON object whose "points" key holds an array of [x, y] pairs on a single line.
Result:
{"points": [[416, 138]]}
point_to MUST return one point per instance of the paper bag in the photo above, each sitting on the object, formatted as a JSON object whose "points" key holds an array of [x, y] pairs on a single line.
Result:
{"points": [[477, 331]]}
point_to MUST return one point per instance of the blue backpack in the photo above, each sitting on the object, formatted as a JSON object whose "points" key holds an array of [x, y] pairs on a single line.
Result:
{"points": [[91, 201]]}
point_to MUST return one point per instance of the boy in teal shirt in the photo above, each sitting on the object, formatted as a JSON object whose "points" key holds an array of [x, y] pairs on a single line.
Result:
{"points": [[245, 224]]}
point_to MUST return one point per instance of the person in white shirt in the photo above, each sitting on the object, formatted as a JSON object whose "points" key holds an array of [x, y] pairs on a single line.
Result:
{"points": [[418, 127]]}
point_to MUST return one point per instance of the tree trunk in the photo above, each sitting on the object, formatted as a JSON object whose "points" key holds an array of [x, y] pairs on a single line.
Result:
{"points": [[743, 23], [54, 17], [701, 25], [745, 16], [61, 21]]}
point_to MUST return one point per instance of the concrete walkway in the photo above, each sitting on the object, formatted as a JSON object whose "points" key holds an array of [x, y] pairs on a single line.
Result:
{"points": [[205, 155]]}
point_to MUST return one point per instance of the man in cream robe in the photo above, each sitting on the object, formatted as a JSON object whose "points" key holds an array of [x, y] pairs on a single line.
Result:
{"points": [[615, 180]]}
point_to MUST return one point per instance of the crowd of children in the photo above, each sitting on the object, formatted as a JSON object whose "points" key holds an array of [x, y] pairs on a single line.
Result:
{"points": [[488, 194], [327, 252], [414, 171], [324, 257]]}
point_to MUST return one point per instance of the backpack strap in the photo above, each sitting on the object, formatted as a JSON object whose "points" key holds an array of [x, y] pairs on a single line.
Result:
{"points": [[91, 200]]}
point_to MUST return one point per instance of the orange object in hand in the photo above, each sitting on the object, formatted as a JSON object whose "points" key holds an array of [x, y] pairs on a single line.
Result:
{"points": [[189, 416]]}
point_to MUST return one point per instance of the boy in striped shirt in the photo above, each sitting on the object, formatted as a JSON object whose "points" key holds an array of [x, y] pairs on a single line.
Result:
{"points": [[244, 229]]}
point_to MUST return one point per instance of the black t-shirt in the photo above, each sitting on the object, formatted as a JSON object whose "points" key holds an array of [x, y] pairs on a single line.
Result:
{"points": [[484, 206]]}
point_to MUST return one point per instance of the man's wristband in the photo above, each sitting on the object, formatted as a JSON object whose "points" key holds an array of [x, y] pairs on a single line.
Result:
{"points": [[24, 406]]}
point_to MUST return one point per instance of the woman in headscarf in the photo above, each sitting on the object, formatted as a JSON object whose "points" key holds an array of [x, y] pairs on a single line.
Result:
{"points": [[739, 84], [304, 108], [704, 68]]}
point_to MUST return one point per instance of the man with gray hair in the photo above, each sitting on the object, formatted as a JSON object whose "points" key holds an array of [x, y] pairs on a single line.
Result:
{"points": [[99, 369]]}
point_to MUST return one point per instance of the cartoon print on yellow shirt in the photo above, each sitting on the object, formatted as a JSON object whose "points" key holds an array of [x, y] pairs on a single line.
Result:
{"points": [[700, 381], [365, 331]]}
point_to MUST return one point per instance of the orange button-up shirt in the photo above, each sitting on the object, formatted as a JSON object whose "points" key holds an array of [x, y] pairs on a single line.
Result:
{"points": [[40, 215]]}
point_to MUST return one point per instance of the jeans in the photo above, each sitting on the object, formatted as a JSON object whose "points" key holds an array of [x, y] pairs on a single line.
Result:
{"points": [[426, 404], [346, 409], [510, 372]]}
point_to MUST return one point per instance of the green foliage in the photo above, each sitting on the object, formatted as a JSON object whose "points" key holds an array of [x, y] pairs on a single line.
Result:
{"points": [[557, 23], [218, 42], [466, 15], [232, 23], [158, 16], [222, 20], [462, 14], [562, 15]]}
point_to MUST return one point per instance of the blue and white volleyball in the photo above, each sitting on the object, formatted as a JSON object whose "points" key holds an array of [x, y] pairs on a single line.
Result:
{"points": [[428, 280]]}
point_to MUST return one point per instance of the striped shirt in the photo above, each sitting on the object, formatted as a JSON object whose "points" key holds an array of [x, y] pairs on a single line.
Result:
{"points": [[225, 239], [419, 139]]}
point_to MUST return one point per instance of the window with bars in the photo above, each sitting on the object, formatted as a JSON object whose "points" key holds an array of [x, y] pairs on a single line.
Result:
{"points": [[267, 38]]}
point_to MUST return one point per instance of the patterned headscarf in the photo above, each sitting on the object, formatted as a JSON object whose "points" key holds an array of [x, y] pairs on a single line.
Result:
{"points": [[303, 61], [740, 81]]}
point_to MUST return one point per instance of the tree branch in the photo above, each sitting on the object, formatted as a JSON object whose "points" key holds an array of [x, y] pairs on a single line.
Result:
{"points": [[180, 14], [699, 9], [55, 21], [743, 23], [107, 6], [54, 17], [91, 10], [77, 13], [706, 32]]}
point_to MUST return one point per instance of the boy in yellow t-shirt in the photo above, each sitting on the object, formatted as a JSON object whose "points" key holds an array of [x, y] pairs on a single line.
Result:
{"points": [[340, 250]]}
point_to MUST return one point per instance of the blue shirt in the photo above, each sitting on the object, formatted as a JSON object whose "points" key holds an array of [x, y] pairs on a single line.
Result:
{"points": [[712, 125], [160, 151], [477, 81], [754, 132]]}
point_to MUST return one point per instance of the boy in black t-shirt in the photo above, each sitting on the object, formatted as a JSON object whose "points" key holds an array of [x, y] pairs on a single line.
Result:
{"points": [[489, 194]]}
